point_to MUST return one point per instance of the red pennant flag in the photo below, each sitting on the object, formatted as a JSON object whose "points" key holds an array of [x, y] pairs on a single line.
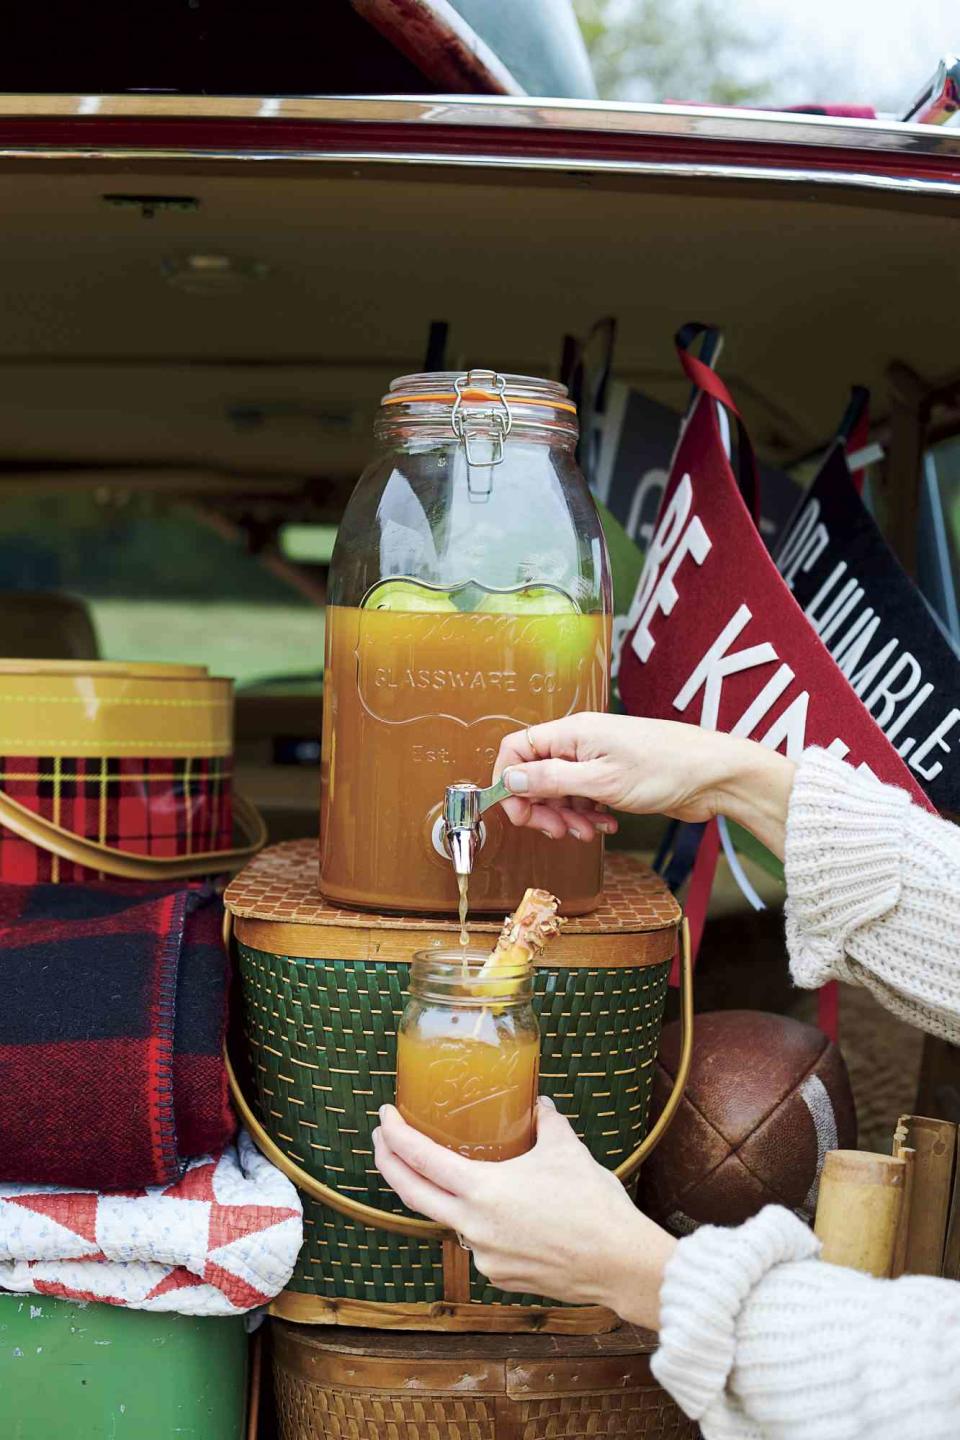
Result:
{"points": [[715, 637]]}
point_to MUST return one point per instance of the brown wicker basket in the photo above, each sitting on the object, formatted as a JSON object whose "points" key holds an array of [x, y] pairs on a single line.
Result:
{"points": [[360, 1385]]}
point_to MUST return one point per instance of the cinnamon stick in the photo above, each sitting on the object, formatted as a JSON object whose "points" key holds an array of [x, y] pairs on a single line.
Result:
{"points": [[525, 932], [523, 937]]}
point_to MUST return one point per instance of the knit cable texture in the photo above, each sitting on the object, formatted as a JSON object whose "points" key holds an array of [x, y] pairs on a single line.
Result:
{"points": [[873, 894], [707, 1282], [762, 1341]]}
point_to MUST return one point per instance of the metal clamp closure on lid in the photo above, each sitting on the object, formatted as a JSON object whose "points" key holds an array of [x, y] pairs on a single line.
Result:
{"points": [[500, 416]]}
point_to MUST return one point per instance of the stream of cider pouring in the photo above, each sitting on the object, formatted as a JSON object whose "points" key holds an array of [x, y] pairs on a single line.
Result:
{"points": [[463, 882]]}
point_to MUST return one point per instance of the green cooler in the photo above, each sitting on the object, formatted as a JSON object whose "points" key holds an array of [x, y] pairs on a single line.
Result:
{"points": [[99, 1372]]}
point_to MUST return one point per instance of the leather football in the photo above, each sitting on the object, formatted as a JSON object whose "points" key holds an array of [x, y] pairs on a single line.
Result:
{"points": [[766, 1099]]}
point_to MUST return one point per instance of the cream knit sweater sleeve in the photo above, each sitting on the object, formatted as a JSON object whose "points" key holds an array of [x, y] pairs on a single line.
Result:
{"points": [[873, 894], [759, 1339]]}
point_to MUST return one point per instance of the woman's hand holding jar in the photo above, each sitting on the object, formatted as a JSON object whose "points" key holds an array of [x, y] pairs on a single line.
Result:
{"points": [[551, 1222]]}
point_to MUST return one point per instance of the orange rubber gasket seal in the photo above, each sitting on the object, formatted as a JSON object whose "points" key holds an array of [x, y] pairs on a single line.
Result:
{"points": [[479, 395]]}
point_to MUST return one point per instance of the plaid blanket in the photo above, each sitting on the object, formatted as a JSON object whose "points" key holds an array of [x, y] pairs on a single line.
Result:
{"points": [[112, 1016]]}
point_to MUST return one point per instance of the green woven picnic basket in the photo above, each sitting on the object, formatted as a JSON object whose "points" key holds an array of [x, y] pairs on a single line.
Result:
{"points": [[322, 993]]}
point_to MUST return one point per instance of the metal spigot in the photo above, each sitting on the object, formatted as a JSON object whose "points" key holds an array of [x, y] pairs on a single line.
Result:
{"points": [[463, 804]]}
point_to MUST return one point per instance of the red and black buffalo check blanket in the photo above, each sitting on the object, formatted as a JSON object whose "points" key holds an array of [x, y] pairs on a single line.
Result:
{"points": [[112, 1017]]}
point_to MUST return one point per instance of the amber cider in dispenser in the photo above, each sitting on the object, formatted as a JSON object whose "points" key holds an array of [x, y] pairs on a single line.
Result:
{"points": [[469, 597], [423, 701], [468, 1055]]}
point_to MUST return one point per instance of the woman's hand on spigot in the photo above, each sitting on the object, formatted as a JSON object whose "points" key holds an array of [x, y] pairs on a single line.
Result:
{"points": [[564, 773]]}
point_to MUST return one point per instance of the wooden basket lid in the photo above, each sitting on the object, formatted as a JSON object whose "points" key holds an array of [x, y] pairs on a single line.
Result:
{"points": [[277, 906]]}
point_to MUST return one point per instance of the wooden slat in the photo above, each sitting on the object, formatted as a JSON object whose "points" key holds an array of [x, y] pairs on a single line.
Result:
{"points": [[477, 1376], [935, 1145], [626, 1340], [393, 947], [456, 1272], [441, 1315], [540, 1379]]}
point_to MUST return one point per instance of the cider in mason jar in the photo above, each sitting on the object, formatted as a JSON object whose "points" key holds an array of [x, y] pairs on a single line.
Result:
{"points": [[468, 1055]]}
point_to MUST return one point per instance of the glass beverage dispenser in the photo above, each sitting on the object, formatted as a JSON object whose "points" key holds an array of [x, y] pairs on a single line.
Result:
{"points": [[469, 596]]}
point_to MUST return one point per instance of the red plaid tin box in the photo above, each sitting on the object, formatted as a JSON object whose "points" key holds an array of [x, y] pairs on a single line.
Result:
{"points": [[117, 769]]}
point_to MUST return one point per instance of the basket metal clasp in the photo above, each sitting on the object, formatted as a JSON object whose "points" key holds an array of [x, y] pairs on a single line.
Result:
{"points": [[499, 415]]}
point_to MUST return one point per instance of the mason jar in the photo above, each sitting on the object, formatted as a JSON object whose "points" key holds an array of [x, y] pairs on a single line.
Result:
{"points": [[468, 1054], [469, 596]]}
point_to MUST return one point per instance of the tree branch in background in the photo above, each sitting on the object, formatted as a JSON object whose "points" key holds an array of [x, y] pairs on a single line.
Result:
{"points": [[675, 50]]}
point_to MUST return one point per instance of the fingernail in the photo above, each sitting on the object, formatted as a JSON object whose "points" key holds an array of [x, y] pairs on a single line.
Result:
{"points": [[575, 833], [516, 780], [382, 1112], [606, 827], [375, 1135], [547, 1103], [549, 834]]}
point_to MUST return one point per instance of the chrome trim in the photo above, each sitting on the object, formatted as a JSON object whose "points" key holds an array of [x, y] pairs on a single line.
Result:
{"points": [[831, 179], [544, 116]]}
